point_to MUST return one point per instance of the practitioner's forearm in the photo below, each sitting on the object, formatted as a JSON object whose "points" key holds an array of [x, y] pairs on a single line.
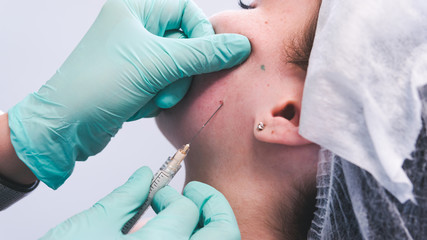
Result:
{"points": [[11, 167]]}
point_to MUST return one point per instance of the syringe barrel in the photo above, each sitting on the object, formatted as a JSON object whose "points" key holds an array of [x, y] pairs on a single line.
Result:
{"points": [[160, 180]]}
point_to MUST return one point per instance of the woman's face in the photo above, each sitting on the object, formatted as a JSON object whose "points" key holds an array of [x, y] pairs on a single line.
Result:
{"points": [[275, 29]]}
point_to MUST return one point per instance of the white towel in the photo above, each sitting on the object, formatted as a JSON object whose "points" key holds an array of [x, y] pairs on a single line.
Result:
{"points": [[360, 99]]}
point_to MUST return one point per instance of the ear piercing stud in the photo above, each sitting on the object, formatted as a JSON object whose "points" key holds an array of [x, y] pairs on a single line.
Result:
{"points": [[260, 126]]}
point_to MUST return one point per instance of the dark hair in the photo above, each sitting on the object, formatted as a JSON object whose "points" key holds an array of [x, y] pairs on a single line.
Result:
{"points": [[293, 216], [298, 52], [303, 212]]}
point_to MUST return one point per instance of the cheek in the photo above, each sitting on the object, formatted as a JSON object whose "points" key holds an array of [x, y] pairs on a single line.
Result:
{"points": [[226, 22], [246, 23], [231, 126], [207, 91], [181, 122]]}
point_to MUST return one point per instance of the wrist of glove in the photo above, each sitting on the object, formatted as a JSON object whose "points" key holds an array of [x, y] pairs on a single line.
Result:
{"points": [[200, 213], [113, 76]]}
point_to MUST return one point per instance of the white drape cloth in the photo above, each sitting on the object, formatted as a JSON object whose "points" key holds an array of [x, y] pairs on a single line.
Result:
{"points": [[360, 99]]}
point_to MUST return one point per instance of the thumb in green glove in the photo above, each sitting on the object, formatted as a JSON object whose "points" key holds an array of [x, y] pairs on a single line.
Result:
{"points": [[217, 220], [119, 66]]}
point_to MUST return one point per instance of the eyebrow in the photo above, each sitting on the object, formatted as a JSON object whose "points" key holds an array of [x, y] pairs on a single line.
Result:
{"points": [[298, 51]]}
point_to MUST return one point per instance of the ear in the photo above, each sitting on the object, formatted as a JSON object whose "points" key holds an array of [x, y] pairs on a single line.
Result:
{"points": [[281, 125]]}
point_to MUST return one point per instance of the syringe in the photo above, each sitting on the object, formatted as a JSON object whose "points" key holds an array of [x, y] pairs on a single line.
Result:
{"points": [[164, 176]]}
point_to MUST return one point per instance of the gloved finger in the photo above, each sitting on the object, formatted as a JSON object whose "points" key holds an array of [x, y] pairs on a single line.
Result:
{"points": [[150, 109], [202, 55], [69, 227], [176, 214], [167, 97], [195, 23], [173, 93], [162, 15], [218, 220], [131, 194], [176, 34]]}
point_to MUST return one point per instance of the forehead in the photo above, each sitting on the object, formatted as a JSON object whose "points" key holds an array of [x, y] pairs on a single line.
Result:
{"points": [[291, 26], [285, 17]]}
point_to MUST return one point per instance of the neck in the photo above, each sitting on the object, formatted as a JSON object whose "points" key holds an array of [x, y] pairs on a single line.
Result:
{"points": [[269, 202]]}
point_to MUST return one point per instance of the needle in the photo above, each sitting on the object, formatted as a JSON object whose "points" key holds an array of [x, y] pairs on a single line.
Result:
{"points": [[222, 103], [163, 177]]}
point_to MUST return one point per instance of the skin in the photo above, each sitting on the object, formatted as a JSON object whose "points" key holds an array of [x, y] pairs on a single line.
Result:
{"points": [[261, 173], [11, 167]]}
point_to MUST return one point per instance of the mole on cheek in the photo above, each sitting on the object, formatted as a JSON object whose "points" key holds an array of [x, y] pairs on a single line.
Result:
{"points": [[263, 68]]}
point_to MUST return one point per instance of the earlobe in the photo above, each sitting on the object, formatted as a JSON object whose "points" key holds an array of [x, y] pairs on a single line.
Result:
{"points": [[280, 125]]}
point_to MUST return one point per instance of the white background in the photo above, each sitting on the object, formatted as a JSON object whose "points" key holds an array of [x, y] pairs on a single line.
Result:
{"points": [[35, 38]]}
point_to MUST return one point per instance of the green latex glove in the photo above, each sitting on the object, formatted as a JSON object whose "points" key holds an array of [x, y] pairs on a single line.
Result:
{"points": [[217, 220], [111, 77], [177, 217], [171, 94]]}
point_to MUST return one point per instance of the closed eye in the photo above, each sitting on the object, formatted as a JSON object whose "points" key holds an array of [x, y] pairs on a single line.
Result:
{"points": [[245, 6]]}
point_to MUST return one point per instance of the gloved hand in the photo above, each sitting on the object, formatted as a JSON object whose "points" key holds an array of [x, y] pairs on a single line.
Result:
{"points": [[177, 215], [111, 77], [217, 220]]}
